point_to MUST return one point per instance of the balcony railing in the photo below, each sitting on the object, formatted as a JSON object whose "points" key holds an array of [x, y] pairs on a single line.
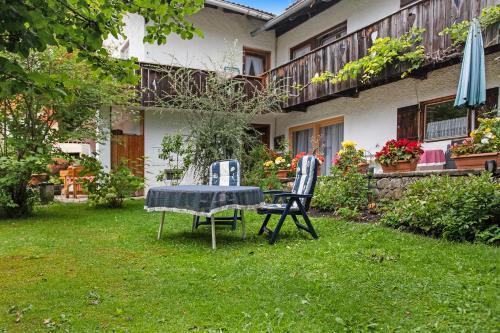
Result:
{"points": [[432, 15], [155, 86]]}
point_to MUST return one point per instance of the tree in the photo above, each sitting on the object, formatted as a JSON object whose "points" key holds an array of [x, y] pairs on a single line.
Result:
{"points": [[55, 74], [65, 107], [83, 25], [219, 110]]}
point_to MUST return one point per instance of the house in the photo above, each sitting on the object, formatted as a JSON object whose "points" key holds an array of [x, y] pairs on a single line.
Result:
{"points": [[291, 48]]}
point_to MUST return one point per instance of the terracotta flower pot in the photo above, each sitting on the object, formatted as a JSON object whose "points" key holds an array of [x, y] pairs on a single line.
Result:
{"points": [[400, 166], [283, 173], [475, 161], [363, 168]]}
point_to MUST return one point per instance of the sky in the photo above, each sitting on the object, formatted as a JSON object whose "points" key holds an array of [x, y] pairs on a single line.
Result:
{"points": [[272, 6]]}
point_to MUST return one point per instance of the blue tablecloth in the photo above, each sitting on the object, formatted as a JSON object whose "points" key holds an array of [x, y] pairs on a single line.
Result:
{"points": [[203, 200]]}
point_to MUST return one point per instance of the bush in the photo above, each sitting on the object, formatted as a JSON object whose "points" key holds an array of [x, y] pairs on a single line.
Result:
{"points": [[341, 190], [109, 189], [253, 171], [17, 197], [453, 208]]}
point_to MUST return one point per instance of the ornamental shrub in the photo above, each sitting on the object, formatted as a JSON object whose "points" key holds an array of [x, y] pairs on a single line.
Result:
{"points": [[453, 208], [109, 189], [341, 190]]}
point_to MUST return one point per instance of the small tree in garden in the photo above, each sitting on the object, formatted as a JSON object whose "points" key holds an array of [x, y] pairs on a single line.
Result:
{"points": [[219, 110], [176, 153], [109, 189], [65, 107]]}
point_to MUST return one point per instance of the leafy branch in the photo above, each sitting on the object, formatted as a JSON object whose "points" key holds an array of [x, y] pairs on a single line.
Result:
{"points": [[459, 31], [384, 51]]}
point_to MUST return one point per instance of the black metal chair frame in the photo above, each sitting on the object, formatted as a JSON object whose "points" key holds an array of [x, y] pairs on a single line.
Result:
{"points": [[219, 220], [292, 198]]}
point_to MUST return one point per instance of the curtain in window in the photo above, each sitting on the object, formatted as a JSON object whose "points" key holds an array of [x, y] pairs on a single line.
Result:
{"points": [[302, 141], [254, 65], [455, 127], [331, 139]]}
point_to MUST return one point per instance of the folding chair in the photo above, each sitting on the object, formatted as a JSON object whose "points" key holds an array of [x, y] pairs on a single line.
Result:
{"points": [[294, 203], [223, 173]]}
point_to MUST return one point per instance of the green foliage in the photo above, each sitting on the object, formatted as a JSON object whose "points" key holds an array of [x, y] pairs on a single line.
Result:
{"points": [[16, 196], [453, 208], [33, 25], [65, 108], [459, 31], [484, 139], [253, 171], [341, 191], [219, 113], [349, 157], [384, 52], [109, 189], [177, 154]]}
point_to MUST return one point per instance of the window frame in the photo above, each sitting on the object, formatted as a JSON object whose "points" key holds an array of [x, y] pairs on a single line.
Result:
{"points": [[314, 41], [423, 122], [265, 55], [315, 126]]}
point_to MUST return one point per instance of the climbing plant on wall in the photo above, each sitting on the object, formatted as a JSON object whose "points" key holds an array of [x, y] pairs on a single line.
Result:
{"points": [[384, 52]]}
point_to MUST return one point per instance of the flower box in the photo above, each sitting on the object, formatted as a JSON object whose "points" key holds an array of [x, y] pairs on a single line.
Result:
{"points": [[283, 173], [400, 166], [475, 161]]}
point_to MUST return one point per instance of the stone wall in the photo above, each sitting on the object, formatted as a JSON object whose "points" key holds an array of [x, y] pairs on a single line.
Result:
{"points": [[392, 185]]}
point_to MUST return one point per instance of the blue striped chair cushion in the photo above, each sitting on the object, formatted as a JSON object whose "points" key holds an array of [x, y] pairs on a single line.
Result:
{"points": [[306, 171], [225, 173]]}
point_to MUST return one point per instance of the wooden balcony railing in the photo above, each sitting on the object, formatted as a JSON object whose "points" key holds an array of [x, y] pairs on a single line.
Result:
{"points": [[154, 86], [432, 15]]}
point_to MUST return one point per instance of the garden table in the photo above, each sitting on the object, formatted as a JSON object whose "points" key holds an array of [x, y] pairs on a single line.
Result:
{"points": [[203, 200]]}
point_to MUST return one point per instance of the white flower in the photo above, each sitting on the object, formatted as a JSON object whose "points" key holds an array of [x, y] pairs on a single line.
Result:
{"points": [[485, 140], [488, 135]]}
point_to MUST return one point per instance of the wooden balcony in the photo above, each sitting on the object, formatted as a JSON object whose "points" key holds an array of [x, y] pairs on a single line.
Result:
{"points": [[155, 86], [432, 15]]}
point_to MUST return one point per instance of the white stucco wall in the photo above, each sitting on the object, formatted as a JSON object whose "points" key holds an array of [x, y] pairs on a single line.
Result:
{"points": [[358, 13], [225, 35], [371, 119]]}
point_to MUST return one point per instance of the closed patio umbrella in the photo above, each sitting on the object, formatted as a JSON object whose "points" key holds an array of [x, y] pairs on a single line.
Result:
{"points": [[472, 85]]}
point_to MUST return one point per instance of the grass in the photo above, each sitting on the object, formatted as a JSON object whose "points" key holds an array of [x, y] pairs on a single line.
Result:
{"points": [[71, 268]]}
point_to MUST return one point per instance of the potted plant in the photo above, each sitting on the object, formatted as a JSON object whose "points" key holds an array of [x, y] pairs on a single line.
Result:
{"points": [[483, 145], [295, 160], [399, 155], [349, 157], [279, 165]]}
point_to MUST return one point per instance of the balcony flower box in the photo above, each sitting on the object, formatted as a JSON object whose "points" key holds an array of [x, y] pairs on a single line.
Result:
{"points": [[482, 145], [475, 161], [400, 166], [399, 155]]}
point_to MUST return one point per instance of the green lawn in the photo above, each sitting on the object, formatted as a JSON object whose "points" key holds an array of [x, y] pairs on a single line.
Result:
{"points": [[72, 268]]}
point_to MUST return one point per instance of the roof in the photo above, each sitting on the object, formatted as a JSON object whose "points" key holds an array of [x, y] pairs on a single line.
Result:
{"points": [[241, 9]]}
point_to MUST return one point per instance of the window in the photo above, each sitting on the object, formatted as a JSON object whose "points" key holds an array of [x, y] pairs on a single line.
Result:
{"points": [[332, 35], [299, 51], [444, 121], [255, 62], [326, 136], [323, 38], [438, 119]]}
